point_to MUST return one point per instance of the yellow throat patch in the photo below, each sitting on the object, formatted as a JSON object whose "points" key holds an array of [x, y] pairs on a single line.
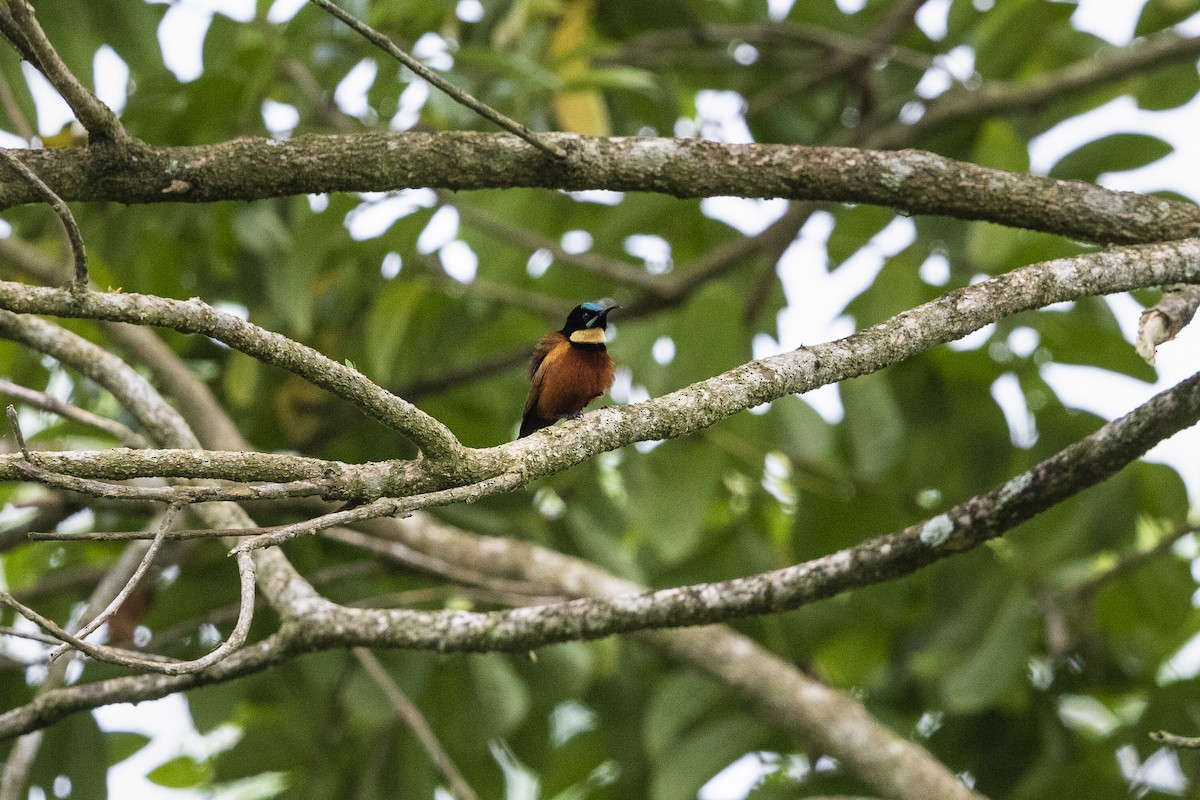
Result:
{"points": [[588, 336]]}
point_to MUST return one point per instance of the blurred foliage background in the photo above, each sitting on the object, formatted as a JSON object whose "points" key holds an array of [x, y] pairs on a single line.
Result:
{"points": [[1031, 665]]}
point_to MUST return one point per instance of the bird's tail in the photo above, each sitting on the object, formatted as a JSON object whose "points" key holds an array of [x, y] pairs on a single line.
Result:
{"points": [[532, 422]]}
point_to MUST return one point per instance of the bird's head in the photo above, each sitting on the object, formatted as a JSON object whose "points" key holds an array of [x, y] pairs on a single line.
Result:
{"points": [[586, 323]]}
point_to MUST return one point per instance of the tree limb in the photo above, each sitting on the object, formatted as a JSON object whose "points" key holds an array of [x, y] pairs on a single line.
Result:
{"points": [[679, 413], [910, 181]]}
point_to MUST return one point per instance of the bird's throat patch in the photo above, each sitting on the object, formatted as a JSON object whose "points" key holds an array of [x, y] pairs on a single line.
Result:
{"points": [[588, 336]]}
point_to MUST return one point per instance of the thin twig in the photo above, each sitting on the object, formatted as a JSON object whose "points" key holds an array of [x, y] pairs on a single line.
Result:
{"points": [[168, 518], [141, 535], [875, 44], [112, 655], [411, 716], [1175, 740], [46, 402], [33, 636], [482, 109], [384, 507], [613, 268], [173, 494], [15, 425], [62, 211], [1130, 562], [12, 110], [99, 120], [401, 553], [151, 662], [1074, 80]]}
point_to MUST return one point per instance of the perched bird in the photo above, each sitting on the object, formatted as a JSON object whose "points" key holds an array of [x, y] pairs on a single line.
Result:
{"points": [[570, 368]]}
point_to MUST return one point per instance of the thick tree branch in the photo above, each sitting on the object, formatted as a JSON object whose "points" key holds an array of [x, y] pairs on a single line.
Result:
{"points": [[962, 528], [909, 181], [679, 413]]}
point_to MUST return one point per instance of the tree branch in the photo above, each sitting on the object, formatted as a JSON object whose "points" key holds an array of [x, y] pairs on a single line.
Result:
{"points": [[30, 41], [1164, 321], [41, 400], [1175, 740], [679, 413], [195, 316], [962, 528], [909, 181]]}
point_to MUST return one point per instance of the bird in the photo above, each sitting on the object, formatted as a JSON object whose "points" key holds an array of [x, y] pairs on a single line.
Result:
{"points": [[570, 368]]}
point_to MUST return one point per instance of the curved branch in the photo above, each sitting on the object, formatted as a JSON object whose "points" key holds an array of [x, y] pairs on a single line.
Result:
{"points": [[102, 616], [909, 181], [962, 528], [21, 28], [196, 316], [61, 210], [284, 588], [41, 400], [684, 411]]}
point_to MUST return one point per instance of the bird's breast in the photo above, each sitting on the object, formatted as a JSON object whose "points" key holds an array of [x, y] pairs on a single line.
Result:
{"points": [[573, 377]]}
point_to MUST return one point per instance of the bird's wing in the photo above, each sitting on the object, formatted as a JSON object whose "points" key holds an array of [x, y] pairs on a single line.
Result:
{"points": [[544, 354], [541, 350]]}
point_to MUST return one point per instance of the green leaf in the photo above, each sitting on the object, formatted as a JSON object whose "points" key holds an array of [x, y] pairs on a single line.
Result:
{"points": [[1116, 153], [1159, 14], [874, 425], [501, 696], [179, 773], [1168, 87], [996, 665], [628, 78], [122, 745], [704, 753], [389, 322], [999, 146], [679, 702], [670, 489]]}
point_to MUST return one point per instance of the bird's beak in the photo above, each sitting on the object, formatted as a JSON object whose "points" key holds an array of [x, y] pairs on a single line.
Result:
{"points": [[603, 314]]}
